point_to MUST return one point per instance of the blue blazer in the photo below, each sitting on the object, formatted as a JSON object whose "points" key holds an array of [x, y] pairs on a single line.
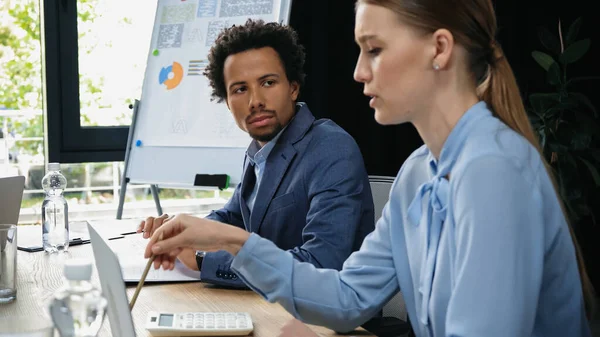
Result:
{"points": [[314, 199]]}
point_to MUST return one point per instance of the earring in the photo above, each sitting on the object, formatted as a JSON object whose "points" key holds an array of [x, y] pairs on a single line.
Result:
{"points": [[436, 66]]}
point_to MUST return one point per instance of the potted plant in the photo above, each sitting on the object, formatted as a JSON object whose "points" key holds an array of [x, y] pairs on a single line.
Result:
{"points": [[566, 122]]}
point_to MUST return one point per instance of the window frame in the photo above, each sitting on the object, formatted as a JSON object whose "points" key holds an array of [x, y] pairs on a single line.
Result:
{"points": [[67, 141]]}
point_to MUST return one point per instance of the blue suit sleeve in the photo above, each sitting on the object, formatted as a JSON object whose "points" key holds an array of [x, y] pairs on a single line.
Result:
{"points": [[231, 212], [499, 258], [216, 269], [215, 266], [336, 190], [340, 300]]}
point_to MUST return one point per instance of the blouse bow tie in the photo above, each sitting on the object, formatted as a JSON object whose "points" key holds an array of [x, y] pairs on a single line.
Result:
{"points": [[428, 209], [433, 197]]}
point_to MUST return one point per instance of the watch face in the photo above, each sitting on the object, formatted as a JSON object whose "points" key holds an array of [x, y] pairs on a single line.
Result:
{"points": [[199, 258]]}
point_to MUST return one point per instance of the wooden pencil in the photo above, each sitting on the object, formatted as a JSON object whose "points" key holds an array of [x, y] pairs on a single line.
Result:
{"points": [[141, 283], [143, 278]]}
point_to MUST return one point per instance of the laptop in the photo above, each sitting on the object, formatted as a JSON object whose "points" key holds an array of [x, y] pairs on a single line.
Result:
{"points": [[158, 324], [113, 286], [11, 194]]}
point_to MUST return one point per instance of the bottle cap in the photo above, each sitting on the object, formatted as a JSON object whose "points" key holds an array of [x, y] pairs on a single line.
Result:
{"points": [[78, 270], [53, 166]]}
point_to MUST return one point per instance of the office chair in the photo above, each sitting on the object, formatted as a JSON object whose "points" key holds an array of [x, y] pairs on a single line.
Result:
{"points": [[394, 321]]}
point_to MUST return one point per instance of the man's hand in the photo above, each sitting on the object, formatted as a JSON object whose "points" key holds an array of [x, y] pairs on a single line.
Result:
{"points": [[151, 224]]}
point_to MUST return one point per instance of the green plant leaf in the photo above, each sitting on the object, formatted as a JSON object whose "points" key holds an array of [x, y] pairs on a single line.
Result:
{"points": [[580, 141], [534, 117], [558, 147], [548, 40], [543, 59], [553, 74], [535, 120], [582, 78], [543, 101], [575, 51], [562, 106], [593, 170], [584, 121], [583, 99], [542, 136], [573, 31]]}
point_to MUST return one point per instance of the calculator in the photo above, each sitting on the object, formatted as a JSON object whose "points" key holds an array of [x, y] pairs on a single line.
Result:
{"points": [[199, 324]]}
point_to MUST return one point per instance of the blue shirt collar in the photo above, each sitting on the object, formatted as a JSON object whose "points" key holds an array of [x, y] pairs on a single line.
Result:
{"points": [[453, 144], [255, 153]]}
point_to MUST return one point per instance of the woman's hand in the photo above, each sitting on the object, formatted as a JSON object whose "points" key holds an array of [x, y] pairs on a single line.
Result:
{"points": [[295, 328], [184, 231]]}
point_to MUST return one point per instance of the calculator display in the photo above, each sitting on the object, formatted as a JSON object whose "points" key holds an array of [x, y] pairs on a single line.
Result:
{"points": [[165, 320]]}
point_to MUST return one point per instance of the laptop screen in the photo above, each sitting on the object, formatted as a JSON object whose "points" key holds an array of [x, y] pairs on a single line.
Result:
{"points": [[11, 194], [113, 286]]}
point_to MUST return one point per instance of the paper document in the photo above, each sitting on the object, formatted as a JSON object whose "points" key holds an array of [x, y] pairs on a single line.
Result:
{"points": [[30, 236], [130, 251], [111, 228]]}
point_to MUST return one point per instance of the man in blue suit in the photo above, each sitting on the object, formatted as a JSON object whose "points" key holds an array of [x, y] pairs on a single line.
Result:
{"points": [[304, 183]]}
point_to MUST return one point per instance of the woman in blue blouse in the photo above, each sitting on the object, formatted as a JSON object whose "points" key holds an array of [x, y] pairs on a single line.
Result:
{"points": [[473, 235]]}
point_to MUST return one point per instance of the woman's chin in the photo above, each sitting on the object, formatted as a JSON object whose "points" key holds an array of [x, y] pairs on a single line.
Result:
{"points": [[382, 118]]}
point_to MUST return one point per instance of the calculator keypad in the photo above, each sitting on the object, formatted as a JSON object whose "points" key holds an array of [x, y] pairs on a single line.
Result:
{"points": [[220, 321]]}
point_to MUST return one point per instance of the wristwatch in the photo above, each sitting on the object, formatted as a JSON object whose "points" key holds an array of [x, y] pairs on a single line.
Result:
{"points": [[199, 257]]}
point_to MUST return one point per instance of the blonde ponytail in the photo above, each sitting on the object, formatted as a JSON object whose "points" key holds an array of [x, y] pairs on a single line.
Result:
{"points": [[500, 91]]}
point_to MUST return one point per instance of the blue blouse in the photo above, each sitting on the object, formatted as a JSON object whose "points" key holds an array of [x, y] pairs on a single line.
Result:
{"points": [[476, 241]]}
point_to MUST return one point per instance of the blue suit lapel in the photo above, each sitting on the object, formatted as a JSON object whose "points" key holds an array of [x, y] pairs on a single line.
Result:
{"points": [[277, 165], [274, 171], [245, 191]]}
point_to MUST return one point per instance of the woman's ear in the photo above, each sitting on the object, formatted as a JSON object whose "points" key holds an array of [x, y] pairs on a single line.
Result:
{"points": [[443, 42]]}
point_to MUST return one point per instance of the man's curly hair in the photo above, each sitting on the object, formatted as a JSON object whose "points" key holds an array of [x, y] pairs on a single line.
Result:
{"points": [[254, 35]]}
